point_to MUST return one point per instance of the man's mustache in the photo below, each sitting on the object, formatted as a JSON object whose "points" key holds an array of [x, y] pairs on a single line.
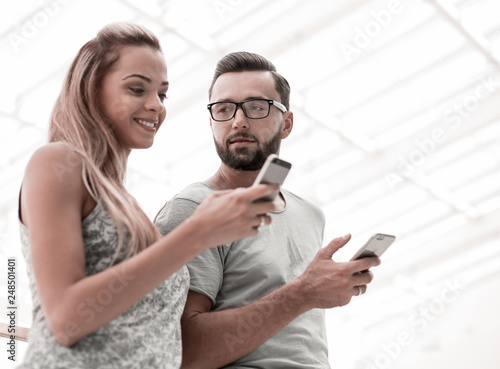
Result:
{"points": [[241, 135]]}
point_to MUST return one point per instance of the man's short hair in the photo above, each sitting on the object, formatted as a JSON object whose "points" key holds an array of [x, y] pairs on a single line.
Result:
{"points": [[244, 62]]}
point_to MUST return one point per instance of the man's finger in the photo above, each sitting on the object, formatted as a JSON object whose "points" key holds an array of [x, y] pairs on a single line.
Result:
{"points": [[366, 263], [335, 245]]}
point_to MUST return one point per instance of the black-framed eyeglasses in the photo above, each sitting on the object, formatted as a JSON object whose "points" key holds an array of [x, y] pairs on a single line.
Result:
{"points": [[222, 111]]}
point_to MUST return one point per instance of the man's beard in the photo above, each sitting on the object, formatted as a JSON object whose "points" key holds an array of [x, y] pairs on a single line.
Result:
{"points": [[248, 159]]}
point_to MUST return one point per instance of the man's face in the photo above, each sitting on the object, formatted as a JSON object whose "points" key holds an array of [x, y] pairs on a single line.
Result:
{"points": [[243, 143]]}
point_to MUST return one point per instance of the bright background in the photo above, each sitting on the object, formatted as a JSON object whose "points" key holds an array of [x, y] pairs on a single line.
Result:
{"points": [[397, 130]]}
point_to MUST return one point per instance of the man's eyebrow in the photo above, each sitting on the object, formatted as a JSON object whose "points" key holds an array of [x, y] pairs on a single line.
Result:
{"points": [[257, 98], [147, 79], [248, 98]]}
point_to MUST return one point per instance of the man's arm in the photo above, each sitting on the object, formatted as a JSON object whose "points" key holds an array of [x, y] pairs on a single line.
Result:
{"points": [[212, 339]]}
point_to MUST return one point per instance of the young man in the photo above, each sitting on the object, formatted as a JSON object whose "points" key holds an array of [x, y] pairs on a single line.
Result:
{"points": [[258, 302]]}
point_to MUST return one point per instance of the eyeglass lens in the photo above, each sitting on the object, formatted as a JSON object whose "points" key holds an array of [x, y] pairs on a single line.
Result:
{"points": [[254, 109]]}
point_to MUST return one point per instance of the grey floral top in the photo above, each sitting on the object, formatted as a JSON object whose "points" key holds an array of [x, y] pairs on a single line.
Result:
{"points": [[147, 335]]}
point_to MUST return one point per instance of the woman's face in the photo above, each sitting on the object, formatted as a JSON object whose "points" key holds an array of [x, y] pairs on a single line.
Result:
{"points": [[132, 96]]}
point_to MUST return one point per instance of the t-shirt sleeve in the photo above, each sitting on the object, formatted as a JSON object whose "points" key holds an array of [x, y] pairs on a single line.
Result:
{"points": [[206, 270], [173, 213], [206, 273]]}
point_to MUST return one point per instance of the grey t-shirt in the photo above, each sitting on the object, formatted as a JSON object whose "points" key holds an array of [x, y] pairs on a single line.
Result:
{"points": [[238, 273]]}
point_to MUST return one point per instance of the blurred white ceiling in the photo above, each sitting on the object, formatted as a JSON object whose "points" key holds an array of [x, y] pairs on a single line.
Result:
{"points": [[397, 130]]}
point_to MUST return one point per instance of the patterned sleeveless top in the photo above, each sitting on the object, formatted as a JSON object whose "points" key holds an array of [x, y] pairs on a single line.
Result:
{"points": [[147, 335]]}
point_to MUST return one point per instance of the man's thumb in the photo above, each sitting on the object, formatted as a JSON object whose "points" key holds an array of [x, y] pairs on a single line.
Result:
{"points": [[335, 245]]}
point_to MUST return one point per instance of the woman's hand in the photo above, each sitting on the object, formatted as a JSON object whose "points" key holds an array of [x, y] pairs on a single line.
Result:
{"points": [[229, 215]]}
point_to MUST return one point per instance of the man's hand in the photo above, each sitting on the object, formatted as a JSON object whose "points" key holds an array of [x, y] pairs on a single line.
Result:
{"points": [[327, 284], [324, 284]]}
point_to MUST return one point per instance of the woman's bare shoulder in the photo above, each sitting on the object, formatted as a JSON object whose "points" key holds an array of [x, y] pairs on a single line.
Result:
{"points": [[56, 166], [57, 159]]}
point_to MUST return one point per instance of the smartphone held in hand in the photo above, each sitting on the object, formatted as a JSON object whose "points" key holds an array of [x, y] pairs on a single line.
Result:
{"points": [[274, 171], [375, 246]]}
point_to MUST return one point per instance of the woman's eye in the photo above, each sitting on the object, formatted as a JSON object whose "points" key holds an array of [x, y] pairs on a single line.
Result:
{"points": [[162, 96], [137, 91]]}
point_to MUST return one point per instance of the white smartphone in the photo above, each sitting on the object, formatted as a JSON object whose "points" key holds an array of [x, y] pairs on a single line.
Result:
{"points": [[375, 246], [274, 171]]}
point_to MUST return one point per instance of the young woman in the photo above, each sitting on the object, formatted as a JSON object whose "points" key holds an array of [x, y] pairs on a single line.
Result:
{"points": [[107, 289]]}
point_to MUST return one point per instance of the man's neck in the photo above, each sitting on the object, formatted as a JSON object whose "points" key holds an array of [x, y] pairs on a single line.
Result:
{"points": [[227, 178]]}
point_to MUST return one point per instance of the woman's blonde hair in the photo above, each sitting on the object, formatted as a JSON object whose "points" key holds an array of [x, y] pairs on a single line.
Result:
{"points": [[78, 119]]}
